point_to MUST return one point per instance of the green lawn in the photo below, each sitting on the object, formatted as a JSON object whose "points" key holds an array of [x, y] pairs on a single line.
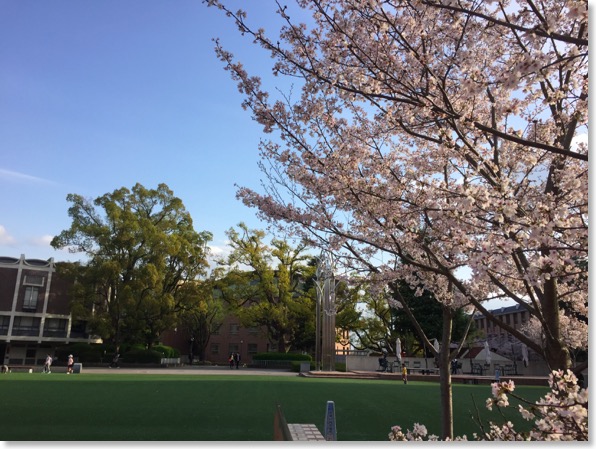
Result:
{"points": [[130, 407]]}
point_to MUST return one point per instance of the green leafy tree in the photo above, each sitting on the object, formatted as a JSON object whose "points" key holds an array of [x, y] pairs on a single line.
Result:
{"points": [[429, 314], [202, 321], [380, 324], [143, 253], [265, 285]]}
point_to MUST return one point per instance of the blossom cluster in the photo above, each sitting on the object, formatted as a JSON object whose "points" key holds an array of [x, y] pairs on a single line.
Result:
{"points": [[562, 415]]}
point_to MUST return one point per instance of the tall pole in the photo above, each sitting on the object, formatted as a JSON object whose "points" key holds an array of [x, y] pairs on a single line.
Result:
{"points": [[318, 332], [326, 311]]}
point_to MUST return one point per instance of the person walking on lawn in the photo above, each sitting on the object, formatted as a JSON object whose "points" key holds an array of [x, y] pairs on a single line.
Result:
{"points": [[48, 364], [404, 374]]}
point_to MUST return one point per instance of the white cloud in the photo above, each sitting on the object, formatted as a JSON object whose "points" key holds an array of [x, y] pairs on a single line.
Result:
{"points": [[5, 237], [43, 241], [10, 175], [218, 250]]}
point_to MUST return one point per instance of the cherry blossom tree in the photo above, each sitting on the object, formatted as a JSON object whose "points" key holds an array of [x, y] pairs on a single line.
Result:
{"points": [[438, 134], [562, 415]]}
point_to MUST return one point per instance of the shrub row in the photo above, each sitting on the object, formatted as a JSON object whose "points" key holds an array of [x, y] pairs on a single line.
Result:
{"points": [[100, 353], [281, 356]]}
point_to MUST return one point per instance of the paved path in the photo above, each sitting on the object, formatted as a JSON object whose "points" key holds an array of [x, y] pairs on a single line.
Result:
{"points": [[190, 370]]}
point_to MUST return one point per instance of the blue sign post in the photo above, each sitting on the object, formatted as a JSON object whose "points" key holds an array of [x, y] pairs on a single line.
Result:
{"points": [[330, 430]]}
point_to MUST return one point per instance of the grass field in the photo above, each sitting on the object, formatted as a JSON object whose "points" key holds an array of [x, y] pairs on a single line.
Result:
{"points": [[131, 407]]}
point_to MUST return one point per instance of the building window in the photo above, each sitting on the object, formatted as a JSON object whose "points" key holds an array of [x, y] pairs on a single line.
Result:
{"points": [[26, 326], [55, 328], [214, 348], [234, 328], [233, 347], [31, 294], [78, 329], [507, 319], [30, 354], [4, 323], [252, 348], [38, 281], [253, 330]]}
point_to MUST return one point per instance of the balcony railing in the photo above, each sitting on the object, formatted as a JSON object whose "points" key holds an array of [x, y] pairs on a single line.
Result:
{"points": [[25, 331], [54, 333]]}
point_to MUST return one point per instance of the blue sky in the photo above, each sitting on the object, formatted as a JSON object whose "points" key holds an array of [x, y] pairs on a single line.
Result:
{"points": [[99, 95]]}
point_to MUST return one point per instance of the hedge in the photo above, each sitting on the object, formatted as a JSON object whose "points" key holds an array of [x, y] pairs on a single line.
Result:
{"points": [[142, 356], [167, 351], [281, 356], [102, 353], [82, 352]]}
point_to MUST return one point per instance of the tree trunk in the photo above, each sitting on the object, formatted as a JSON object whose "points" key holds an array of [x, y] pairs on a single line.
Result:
{"points": [[281, 344], [556, 352], [445, 377]]}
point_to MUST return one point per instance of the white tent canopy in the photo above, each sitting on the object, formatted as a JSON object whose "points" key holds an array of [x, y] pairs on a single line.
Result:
{"points": [[482, 357]]}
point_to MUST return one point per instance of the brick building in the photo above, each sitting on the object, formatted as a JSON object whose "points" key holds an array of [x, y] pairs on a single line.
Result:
{"points": [[231, 337], [34, 312], [498, 339]]}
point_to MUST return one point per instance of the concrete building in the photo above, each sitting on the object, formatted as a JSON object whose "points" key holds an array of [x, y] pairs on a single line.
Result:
{"points": [[34, 312]]}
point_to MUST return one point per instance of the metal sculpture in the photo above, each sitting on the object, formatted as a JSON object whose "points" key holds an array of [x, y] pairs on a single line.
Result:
{"points": [[325, 314]]}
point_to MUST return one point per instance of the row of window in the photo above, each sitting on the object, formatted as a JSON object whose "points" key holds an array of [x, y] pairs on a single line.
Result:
{"points": [[234, 329], [511, 319], [216, 348], [29, 326]]}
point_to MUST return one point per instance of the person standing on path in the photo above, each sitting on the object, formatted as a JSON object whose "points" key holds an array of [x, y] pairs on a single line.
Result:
{"points": [[70, 364], [114, 363], [237, 359], [404, 374]]}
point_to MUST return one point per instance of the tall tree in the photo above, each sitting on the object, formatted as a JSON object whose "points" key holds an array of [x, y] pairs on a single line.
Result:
{"points": [[203, 321], [142, 253], [266, 284], [384, 320], [441, 134]]}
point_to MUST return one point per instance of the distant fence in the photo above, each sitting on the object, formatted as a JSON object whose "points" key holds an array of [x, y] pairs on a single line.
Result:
{"points": [[170, 361], [275, 364]]}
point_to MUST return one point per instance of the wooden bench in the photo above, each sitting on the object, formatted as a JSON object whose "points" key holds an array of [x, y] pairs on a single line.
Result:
{"points": [[284, 431], [423, 370], [508, 370], [9, 368], [477, 369]]}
